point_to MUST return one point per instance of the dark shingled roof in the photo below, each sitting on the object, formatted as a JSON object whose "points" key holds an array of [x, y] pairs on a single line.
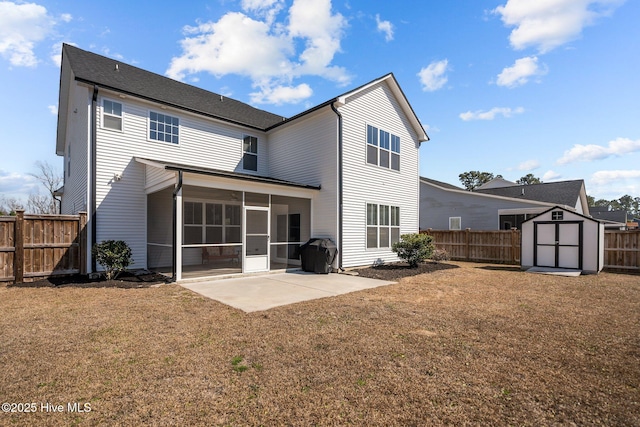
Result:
{"points": [[601, 212], [99, 70], [564, 193], [440, 184]]}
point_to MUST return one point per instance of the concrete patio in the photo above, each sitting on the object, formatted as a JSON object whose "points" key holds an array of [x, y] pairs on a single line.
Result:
{"points": [[262, 292]]}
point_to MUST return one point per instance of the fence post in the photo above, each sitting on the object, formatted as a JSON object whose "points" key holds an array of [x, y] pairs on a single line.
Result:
{"points": [[514, 232], [82, 241], [467, 235], [18, 257]]}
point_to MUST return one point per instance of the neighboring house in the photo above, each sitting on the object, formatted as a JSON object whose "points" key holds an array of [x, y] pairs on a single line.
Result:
{"points": [[617, 219], [200, 184], [497, 205]]}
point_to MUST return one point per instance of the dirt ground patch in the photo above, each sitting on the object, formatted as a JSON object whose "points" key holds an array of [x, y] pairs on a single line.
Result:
{"points": [[467, 345]]}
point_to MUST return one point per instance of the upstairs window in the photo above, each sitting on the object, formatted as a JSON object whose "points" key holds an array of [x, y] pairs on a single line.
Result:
{"points": [[250, 150], [383, 148], [111, 115], [163, 127]]}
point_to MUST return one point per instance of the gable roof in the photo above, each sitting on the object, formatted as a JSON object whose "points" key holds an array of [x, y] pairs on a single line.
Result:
{"points": [[440, 184], [554, 208], [112, 74], [495, 183], [108, 73], [565, 193]]}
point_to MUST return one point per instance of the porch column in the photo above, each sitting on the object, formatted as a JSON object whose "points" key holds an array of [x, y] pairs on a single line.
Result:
{"points": [[179, 228]]}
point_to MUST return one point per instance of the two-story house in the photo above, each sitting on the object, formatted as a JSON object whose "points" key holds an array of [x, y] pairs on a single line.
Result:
{"points": [[199, 184]]}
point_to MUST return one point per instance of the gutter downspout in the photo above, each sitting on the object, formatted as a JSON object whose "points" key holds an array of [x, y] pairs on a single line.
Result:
{"points": [[92, 183], [340, 191], [175, 227]]}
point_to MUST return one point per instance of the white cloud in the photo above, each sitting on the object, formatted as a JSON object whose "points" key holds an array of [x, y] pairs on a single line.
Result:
{"points": [[282, 94], [547, 24], [21, 27], [520, 72], [529, 165], [268, 9], [491, 114], [266, 51], [385, 27], [616, 148], [53, 109], [433, 76], [612, 184], [609, 177], [13, 184], [66, 17], [550, 176]]}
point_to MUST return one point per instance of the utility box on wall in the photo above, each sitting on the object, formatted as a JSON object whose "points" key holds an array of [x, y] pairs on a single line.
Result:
{"points": [[560, 238]]}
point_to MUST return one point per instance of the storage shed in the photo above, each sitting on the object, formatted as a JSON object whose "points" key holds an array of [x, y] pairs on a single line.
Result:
{"points": [[561, 239]]}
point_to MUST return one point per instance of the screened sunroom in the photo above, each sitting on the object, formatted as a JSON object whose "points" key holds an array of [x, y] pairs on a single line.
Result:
{"points": [[226, 225]]}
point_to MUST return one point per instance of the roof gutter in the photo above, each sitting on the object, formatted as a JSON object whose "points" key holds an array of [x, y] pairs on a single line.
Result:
{"points": [[169, 104], [340, 190]]}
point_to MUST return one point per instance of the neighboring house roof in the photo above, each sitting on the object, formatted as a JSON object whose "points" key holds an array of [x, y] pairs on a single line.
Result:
{"points": [[440, 184], [496, 183], [474, 194], [565, 193], [602, 212], [112, 74]]}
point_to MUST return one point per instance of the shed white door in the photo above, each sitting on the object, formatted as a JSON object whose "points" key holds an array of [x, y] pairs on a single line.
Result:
{"points": [[558, 244]]}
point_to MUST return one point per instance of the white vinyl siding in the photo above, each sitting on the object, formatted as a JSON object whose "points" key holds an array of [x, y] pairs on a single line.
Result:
{"points": [[376, 185], [74, 199], [122, 205], [307, 152]]}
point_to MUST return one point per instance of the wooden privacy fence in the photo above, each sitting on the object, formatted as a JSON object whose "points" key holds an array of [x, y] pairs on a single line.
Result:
{"points": [[496, 246], [621, 248], [36, 246]]}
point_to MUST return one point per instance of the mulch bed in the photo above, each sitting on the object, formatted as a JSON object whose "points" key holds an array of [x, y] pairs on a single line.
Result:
{"points": [[398, 270], [125, 280]]}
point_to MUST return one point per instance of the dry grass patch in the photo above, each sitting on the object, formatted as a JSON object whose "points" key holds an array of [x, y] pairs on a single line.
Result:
{"points": [[469, 345]]}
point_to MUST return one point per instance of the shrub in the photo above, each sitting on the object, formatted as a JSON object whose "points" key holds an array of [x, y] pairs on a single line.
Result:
{"points": [[113, 255], [414, 248], [440, 255]]}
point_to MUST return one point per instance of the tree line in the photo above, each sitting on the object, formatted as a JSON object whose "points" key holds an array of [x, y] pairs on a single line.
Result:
{"points": [[50, 179], [474, 179]]}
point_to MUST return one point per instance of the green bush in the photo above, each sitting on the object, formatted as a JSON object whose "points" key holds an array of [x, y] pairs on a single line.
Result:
{"points": [[414, 248], [113, 255]]}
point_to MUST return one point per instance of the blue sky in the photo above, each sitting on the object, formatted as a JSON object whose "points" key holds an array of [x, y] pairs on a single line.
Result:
{"points": [[506, 86]]}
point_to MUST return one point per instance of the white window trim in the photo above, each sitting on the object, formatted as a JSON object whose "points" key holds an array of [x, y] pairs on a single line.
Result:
{"points": [[378, 226], [380, 149], [103, 113], [453, 218], [166, 113], [252, 154]]}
